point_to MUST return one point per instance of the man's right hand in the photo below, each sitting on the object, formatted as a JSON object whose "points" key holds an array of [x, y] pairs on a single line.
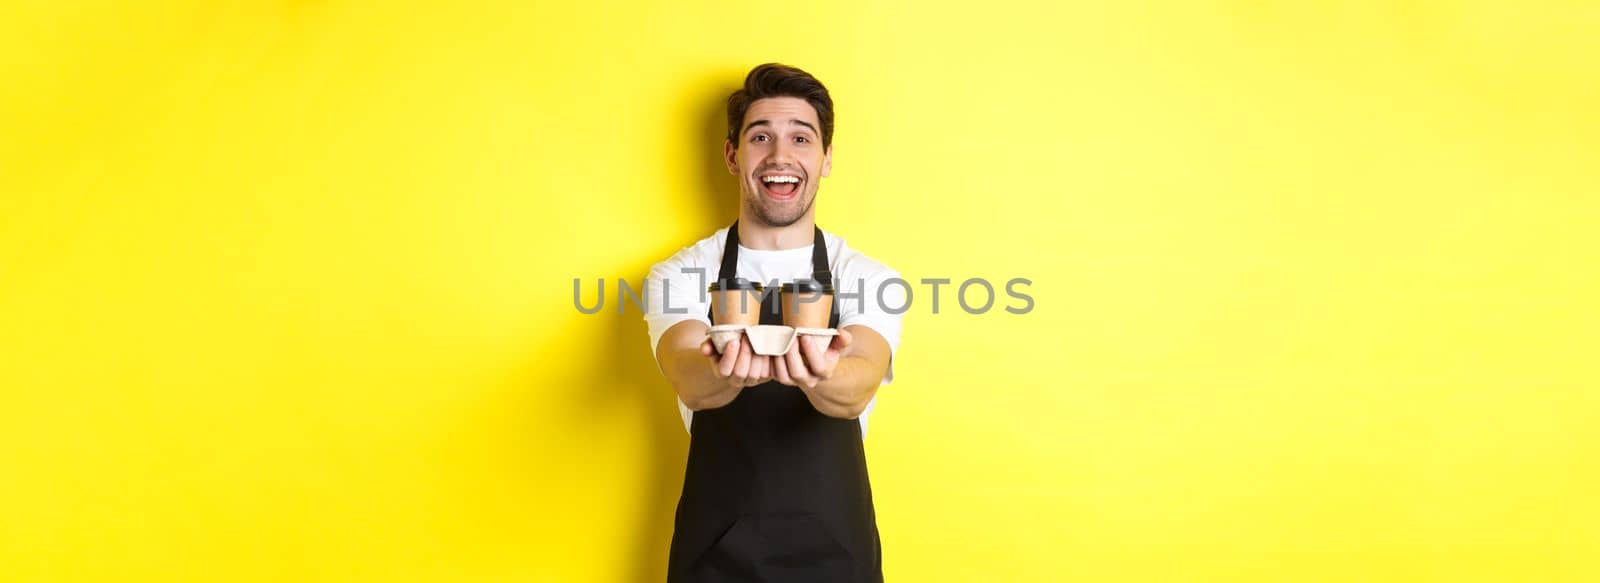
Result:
{"points": [[703, 378], [739, 366]]}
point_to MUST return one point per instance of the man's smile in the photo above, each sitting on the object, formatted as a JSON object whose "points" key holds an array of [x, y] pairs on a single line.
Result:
{"points": [[780, 185]]}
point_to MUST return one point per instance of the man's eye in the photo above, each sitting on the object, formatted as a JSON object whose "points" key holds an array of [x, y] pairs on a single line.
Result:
{"points": [[801, 139], [759, 138]]}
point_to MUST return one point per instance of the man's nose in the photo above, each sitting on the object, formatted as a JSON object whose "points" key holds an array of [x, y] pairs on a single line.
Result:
{"points": [[782, 153]]}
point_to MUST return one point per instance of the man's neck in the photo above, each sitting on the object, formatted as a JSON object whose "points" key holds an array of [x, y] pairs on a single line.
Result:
{"points": [[757, 235]]}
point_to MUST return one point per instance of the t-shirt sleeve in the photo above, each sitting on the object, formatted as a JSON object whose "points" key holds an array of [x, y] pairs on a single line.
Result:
{"points": [[676, 293], [873, 295]]}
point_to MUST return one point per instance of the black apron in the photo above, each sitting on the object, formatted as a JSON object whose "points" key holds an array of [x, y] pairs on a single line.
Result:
{"points": [[775, 491]]}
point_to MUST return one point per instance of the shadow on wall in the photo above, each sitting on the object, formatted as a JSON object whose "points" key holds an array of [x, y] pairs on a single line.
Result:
{"points": [[632, 374]]}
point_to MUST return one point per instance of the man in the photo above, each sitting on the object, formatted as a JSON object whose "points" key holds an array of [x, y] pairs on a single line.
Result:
{"points": [[776, 487]]}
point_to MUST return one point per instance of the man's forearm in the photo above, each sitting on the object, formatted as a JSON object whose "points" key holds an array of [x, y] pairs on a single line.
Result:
{"points": [[845, 394], [696, 383]]}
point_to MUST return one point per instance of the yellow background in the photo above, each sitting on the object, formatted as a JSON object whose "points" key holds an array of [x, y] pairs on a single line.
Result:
{"points": [[285, 287]]}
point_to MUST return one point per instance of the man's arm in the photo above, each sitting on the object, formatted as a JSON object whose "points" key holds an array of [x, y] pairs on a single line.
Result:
{"points": [[703, 379], [841, 378]]}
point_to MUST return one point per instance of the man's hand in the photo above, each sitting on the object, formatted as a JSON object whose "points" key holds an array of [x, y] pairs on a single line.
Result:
{"points": [[809, 362], [839, 377], [739, 366]]}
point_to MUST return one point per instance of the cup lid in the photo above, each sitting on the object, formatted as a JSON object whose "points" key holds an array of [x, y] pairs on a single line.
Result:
{"points": [[737, 283], [806, 286]]}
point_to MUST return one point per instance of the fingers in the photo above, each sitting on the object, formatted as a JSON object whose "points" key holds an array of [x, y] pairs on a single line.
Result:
{"points": [[797, 370], [741, 368], [816, 362], [757, 369], [730, 357], [780, 371], [843, 340], [760, 370], [707, 348]]}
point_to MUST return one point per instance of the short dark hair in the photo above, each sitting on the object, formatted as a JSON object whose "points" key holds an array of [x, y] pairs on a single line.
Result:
{"points": [[778, 80]]}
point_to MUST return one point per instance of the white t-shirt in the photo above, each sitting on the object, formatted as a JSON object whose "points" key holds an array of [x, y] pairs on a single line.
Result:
{"points": [[677, 290]]}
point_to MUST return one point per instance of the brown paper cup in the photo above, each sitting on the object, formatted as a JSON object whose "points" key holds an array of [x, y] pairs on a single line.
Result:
{"points": [[805, 304], [736, 301]]}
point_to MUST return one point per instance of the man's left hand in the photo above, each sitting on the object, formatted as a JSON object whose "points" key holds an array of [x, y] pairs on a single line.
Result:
{"points": [[809, 361]]}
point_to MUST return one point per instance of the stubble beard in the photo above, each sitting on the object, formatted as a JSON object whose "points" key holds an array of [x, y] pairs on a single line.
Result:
{"points": [[778, 215]]}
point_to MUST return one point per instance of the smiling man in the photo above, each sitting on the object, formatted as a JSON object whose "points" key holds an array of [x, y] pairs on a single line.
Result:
{"points": [[776, 487]]}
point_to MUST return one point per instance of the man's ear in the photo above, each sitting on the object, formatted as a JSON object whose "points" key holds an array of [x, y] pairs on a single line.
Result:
{"points": [[730, 157], [827, 160]]}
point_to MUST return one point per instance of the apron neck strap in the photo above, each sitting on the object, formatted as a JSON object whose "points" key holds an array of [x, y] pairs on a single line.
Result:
{"points": [[730, 255], [819, 259], [819, 256]]}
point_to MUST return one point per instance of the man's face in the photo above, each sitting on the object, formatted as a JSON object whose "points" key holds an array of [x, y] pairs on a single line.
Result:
{"points": [[779, 159]]}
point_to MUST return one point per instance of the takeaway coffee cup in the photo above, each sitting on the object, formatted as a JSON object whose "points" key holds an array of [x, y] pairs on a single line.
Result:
{"points": [[806, 303], [735, 301]]}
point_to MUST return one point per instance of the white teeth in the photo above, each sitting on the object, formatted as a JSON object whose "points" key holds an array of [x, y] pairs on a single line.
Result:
{"points": [[780, 179]]}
